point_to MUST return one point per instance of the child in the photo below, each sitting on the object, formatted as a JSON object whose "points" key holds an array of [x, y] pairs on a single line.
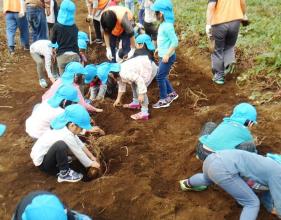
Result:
{"points": [[167, 42], [69, 77], [117, 23], [41, 52], [44, 113], [49, 153], [232, 133], [228, 169], [138, 72], [149, 21], [44, 205], [98, 78], [68, 50]]}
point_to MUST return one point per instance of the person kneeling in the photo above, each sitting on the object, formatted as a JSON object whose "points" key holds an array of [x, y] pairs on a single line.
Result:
{"points": [[49, 153]]}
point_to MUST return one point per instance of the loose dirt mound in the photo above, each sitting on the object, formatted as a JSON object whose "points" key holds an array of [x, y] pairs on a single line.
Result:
{"points": [[145, 160]]}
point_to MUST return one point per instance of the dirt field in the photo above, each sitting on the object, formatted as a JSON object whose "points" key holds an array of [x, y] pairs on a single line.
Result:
{"points": [[141, 183]]}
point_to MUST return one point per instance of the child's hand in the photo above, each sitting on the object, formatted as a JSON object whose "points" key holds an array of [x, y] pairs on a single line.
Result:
{"points": [[95, 164], [52, 79], [165, 58], [98, 130], [98, 110], [117, 103]]}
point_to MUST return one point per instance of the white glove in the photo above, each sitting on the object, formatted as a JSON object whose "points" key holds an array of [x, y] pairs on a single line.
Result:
{"points": [[245, 17], [109, 53], [90, 17], [21, 14], [131, 53], [118, 59], [209, 30]]}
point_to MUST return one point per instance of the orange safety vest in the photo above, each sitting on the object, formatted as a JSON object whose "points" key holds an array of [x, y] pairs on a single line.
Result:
{"points": [[120, 12], [102, 4], [11, 5], [226, 11]]}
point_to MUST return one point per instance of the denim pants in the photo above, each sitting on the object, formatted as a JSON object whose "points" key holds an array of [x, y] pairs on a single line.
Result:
{"points": [[131, 5], [126, 45], [215, 171], [225, 36], [56, 158], [208, 128], [12, 23], [141, 16], [164, 84], [37, 21]]}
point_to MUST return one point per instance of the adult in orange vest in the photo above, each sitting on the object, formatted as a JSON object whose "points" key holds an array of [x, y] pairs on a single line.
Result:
{"points": [[117, 23], [223, 23], [95, 9], [15, 18]]}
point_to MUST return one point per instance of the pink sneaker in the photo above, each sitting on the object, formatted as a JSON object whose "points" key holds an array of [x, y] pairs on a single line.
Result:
{"points": [[132, 106], [140, 116]]}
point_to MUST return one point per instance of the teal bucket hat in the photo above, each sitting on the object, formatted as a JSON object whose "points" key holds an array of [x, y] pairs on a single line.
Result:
{"points": [[243, 112], [76, 114], [105, 68], [72, 69], [66, 15], [56, 46], [92, 73], [166, 8], [82, 44], [64, 92], [145, 39], [45, 207]]}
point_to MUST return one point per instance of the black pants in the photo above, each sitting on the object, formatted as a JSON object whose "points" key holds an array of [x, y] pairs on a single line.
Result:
{"points": [[56, 158], [97, 27]]}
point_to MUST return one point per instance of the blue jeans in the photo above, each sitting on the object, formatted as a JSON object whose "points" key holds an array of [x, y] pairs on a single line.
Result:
{"points": [[37, 20], [131, 5], [12, 23], [215, 171], [161, 77], [126, 45], [141, 16]]}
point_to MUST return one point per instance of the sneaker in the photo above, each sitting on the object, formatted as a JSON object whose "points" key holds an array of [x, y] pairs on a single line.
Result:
{"points": [[217, 80], [185, 187], [140, 116], [162, 103], [11, 50], [98, 41], [132, 105], [229, 69], [69, 176], [173, 96], [43, 83]]}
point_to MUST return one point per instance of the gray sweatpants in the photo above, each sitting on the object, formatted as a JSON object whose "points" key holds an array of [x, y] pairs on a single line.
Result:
{"points": [[208, 128], [225, 36], [64, 59]]}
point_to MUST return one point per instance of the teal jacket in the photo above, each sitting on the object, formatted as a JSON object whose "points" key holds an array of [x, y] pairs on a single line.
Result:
{"points": [[227, 135]]}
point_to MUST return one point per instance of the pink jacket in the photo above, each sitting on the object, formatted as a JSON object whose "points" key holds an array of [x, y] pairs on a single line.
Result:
{"points": [[48, 94]]}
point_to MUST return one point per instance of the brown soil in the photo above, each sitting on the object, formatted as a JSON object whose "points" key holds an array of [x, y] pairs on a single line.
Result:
{"points": [[143, 182]]}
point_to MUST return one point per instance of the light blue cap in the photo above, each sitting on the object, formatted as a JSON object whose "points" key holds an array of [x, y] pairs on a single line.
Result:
{"points": [[92, 73], [83, 36], [145, 39], [54, 45], [105, 68], [82, 44], [243, 112], [64, 92], [276, 157], [2, 129], [76, 114], [166, 8], [45, 207], [66, 15], [72, 69]]}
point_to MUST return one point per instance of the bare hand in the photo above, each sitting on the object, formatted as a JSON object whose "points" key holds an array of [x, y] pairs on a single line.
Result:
{"points": [[117, 103], [98, 130], [95, 164], [98, 110], [52, 79], [165, 59]]}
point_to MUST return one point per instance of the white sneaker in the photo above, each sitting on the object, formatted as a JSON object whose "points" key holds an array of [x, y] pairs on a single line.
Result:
{"points": [[43, 83]]}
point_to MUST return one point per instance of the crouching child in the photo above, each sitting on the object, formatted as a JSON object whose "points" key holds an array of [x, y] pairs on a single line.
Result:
{"points": [[50, 152]]}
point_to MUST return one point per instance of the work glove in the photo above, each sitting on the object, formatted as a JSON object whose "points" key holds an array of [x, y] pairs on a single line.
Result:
{"points": [[131, 53], [209, 30], [109, 53]]}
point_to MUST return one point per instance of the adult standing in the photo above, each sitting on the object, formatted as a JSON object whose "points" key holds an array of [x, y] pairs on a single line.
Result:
{"points": [[117, 23], [35, 13], [15, 18], [223, 23]]}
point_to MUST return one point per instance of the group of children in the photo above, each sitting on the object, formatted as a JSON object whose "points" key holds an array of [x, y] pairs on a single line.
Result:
{"points": [[228, 150]]}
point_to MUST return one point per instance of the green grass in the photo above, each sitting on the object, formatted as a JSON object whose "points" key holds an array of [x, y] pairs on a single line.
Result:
{"points": [[260, 41]]}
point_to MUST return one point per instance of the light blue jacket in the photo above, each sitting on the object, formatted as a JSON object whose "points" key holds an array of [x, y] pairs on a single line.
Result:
{"points": [[66, 14], [167, 38], [263, 170], [227, 135]]}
